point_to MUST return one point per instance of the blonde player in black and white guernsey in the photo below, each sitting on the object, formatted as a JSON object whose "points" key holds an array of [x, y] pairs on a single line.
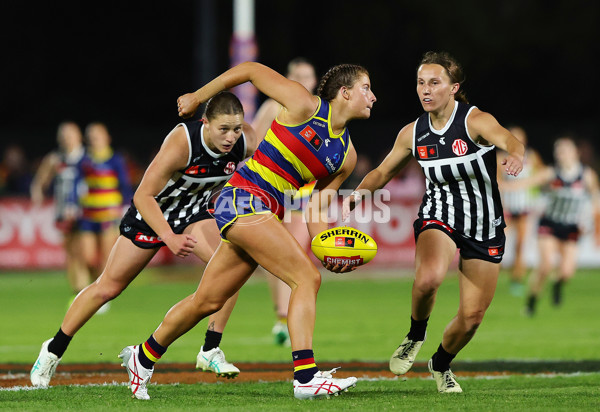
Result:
{"points": [[571, 188], [454, 143], [170, 208]]}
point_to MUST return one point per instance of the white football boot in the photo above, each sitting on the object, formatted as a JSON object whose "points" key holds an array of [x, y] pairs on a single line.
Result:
{"points": [[139, 376], [446, 381], [44, 367], [403, 358], [323, 385], [214, 361]]}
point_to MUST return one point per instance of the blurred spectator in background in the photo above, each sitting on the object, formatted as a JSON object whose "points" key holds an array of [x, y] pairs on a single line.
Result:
{"points": [[302, 71], [518, 204], [570, 187], [15, 176], [60, 167], [104, 190]]}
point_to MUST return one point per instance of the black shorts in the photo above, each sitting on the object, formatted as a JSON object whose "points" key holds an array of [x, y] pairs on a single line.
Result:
{"points": [[490, 250], [560, 231], [144, 237]]}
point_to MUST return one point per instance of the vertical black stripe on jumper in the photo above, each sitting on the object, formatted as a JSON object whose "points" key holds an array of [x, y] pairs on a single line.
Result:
{"points": [[472, 202], [457, 201], [485, 228]]}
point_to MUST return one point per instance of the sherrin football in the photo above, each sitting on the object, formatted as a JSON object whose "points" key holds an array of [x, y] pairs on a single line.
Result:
{"points": [[344, 246]]}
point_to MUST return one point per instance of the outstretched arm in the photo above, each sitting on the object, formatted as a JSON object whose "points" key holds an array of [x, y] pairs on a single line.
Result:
{"points": [[377, 178], [484, 125], [298, 101]]}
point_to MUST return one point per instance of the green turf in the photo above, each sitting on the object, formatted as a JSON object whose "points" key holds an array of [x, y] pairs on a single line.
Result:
{"points": [[357, 319], [514, 393]]}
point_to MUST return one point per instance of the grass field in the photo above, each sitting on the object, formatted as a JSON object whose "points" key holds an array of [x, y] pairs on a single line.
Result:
{"points": [[361, 316]]}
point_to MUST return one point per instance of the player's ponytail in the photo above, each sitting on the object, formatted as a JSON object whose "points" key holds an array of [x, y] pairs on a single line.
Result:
{"points": [[452, 67], [337, 77]]}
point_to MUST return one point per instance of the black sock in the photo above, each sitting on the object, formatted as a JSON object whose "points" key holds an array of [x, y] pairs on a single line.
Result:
{"points": [[150, 352], [304, 365], [531, 301], [417, 329], [212, 340], [557, 292], [59, 344], [441, 360]]}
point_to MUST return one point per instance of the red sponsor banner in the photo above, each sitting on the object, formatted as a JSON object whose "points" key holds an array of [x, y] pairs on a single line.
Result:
{"points": [[30, 239]]}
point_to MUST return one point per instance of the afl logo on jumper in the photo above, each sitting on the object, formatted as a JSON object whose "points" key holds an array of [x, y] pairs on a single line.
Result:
{"points": [[459, 147], [313, 138], [229, 168]]}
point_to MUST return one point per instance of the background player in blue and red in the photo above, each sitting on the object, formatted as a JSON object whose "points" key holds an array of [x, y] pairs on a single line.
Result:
{"points": [[170, 208], [454, 143], [573, 203], [59, 170], [303, 72], [103, 190], [249, 209]]}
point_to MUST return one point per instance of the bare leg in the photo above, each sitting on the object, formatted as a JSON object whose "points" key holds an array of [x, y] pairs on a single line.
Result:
{"points": [[77, 271], [125, 262], [207, 235], [477, 280], [231, 266], [431, 269], [521, 226], [89, 249], [548, 249]]}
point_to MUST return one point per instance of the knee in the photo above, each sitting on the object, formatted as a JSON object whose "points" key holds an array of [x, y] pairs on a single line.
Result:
{"points": [[428, 280], [106, 291], [310, 280], [207, 305], [471, 321]]}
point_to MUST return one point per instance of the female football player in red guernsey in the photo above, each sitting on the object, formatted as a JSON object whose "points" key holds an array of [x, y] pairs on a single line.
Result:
{"points": [[454, 143], [307, 141]]}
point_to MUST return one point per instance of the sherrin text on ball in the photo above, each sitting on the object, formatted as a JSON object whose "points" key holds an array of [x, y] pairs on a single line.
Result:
{"points": [[344, 246]]}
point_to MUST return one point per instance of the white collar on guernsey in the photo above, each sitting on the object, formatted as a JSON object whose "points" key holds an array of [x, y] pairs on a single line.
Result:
{"points": [[210, 152], [447, 125]]}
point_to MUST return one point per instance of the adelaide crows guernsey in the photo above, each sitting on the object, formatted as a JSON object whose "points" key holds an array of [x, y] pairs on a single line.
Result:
{"points": [[189, 191], [291, 156], [461, 188]]}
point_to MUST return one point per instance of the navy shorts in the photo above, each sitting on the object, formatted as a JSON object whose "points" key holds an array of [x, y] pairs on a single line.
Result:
{"points": [[142, 235], [560, 231], [86, 225], [491, 250], [234, 202]]}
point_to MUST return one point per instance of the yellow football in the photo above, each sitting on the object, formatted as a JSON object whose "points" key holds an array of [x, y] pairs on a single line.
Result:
{"points": [[344, 246]]}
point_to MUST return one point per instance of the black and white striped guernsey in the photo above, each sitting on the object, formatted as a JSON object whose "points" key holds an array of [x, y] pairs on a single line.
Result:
{"points": [[190, 190], [64, 183], [461, 187], [567, 198]]}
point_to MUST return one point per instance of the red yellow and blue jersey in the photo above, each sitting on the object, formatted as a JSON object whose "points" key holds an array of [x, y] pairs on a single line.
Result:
{"points": [[105, 187], [291, 156]]}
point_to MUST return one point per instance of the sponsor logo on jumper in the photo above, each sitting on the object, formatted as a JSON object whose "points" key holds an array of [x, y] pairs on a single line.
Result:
{"points": [[126, 228], [313, 138], [423, 137], [344, 241], [345, 260], [196, 170], [460, 147], [140, 237], [327, 142], [349, 232], [497, 222], [229, 168], [318, 123], [195, 159], [428, 152], [330, 164], [442, 140]]}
